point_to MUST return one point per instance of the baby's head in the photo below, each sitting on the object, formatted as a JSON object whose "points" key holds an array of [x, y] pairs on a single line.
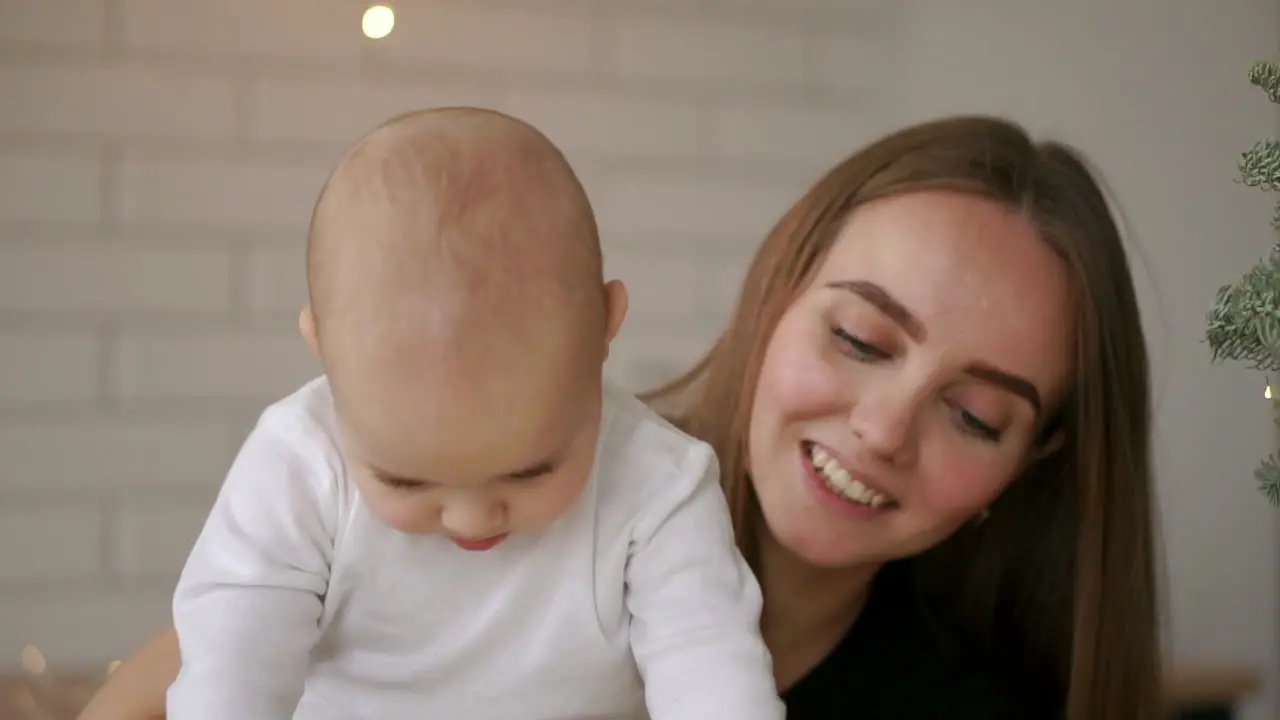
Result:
{"points": [[458, 306]]}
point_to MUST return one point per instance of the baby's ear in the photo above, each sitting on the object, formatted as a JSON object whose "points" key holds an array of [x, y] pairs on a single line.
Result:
{"points": [[307, 326], [615, 309]]}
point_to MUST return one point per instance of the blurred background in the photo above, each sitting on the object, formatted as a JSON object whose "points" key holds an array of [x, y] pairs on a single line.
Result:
{"points": [[159, 160]]}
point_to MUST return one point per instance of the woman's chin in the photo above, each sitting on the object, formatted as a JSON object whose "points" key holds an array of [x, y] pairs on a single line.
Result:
{"points": [[816, 545]]}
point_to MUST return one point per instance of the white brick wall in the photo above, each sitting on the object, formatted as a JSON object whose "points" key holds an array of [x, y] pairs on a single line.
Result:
{"points": [[158, 162]]}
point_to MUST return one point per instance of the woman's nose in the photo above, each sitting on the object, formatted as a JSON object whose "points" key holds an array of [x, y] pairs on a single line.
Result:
{"points": [[884, 421]]}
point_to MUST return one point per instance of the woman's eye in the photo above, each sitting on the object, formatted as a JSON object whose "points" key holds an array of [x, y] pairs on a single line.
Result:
{"points": [[975, 426], [857, 347]]}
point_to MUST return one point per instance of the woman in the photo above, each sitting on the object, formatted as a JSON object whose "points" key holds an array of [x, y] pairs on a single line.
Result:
{"points": [[931, 407]]}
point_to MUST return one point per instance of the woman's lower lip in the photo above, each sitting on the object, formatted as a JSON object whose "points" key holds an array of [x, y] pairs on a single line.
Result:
{"points": [[829, 497], [479, 545]]}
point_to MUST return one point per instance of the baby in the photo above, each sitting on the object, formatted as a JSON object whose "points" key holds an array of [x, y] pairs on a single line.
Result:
{"points": [[461, 519]]}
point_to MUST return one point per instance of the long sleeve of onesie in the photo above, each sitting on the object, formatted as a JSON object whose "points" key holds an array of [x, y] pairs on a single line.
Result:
{"points": [[695, 607], [248, 604]]}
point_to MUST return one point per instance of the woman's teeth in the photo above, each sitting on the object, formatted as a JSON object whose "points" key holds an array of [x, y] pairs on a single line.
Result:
{"points": [[838, 479]]}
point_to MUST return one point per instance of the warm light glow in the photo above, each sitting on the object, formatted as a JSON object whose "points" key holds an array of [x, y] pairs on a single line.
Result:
{"points": [[33, 660], [1267, 393], [378, 21]]}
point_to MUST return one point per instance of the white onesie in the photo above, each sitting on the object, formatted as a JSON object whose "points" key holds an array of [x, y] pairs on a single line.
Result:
{"points": [[297, 602]]}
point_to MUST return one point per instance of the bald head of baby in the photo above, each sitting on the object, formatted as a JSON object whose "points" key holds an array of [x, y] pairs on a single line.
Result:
{"points": [[458, 305], [460, 218]]}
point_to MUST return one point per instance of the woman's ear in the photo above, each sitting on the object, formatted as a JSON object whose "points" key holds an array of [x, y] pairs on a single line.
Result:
{"points": [[1050, 440], [1055, 441]]}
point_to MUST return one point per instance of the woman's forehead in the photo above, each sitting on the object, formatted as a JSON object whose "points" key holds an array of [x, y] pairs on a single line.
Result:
{"points": [[977, 276], [947, 249]]}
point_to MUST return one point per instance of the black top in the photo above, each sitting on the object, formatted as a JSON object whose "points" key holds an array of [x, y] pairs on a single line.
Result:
{"points": [[897, 663]]}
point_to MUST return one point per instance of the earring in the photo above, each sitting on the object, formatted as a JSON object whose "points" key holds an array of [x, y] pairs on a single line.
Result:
{"points": [[982, 516]]}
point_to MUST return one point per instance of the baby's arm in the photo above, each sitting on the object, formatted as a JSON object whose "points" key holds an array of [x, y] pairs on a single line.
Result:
{"points": [[248, 604], [695, 607]]}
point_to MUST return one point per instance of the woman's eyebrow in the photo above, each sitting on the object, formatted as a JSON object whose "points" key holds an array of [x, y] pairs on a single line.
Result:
{"points": [[1015, 384], [886, 303]]}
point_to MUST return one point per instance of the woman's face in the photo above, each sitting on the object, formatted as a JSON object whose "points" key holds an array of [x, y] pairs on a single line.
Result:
{"points": [[905, 387]]}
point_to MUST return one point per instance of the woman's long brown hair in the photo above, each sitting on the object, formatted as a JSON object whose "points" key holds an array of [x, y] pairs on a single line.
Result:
{"points": [[1060, 580]]}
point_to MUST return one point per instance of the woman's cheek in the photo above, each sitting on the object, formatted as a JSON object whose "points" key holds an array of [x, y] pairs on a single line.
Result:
{"points": [[960, 489]]}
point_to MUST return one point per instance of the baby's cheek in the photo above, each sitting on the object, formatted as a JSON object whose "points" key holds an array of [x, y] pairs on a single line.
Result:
{"points": [[545, 504], [405, 513]]}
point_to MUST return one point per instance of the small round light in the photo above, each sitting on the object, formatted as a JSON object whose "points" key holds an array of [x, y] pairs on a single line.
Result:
{"points": [[378, 21]]}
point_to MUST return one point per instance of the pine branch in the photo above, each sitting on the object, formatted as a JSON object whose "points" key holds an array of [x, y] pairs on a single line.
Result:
{"points": [[1260, 165], [1244, 323], [1268, 476], [1266, 75]]}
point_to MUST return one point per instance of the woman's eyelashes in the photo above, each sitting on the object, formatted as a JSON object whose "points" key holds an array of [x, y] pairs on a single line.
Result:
{"points": [[856, 347], [975, 426], [863, 351]]}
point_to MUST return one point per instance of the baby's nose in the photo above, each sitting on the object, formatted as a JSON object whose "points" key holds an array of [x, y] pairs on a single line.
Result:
{"points": [[474, 518]]}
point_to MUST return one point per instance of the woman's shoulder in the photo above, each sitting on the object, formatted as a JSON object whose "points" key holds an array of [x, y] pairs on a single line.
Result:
{"points": [[898, 662]]}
